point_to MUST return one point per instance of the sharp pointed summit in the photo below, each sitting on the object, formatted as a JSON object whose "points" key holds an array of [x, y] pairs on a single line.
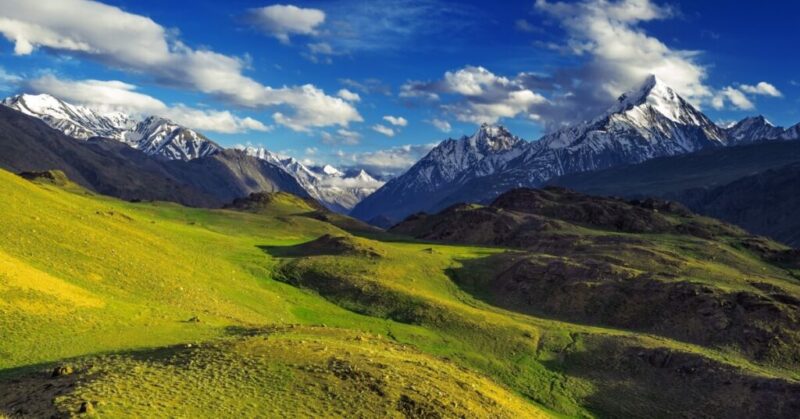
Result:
{"points": [[493, 137]]}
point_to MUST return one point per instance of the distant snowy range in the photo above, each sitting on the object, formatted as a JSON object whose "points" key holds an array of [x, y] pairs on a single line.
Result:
{"points": [[338, 190], [649, 122]]}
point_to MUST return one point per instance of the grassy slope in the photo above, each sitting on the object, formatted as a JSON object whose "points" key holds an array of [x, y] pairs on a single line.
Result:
{"points": [[82, 276]]}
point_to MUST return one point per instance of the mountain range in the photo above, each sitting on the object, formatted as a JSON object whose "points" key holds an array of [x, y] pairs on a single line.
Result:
{"points": [[337, 190], [152, 135], [165, 139], [649, 122], [111, 167]]}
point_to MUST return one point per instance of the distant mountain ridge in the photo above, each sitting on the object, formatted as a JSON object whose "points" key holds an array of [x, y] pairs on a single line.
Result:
{"points": [[163, 138], [648, 122], [337, 190], [763, 203], [112, 168]]}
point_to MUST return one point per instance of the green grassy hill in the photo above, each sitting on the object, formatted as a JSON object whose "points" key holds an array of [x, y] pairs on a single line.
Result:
{"points": [[157, 310]]}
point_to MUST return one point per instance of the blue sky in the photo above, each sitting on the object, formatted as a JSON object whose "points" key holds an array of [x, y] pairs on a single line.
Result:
{"points": [[285, 75]]}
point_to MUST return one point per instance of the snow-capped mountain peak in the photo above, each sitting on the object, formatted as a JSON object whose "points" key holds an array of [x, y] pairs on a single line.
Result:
{"points": [[650, 121], [331, 171], [153, 135], [491, 145], [493, 137], [330, 186], [160, 136], [76, 121], [364, 176], [755, 128], [655, 96]]}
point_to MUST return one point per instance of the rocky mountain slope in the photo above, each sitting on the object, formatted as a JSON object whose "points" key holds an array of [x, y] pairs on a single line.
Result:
{"points": [[156, 136], [112, 168], [764, 203], [153, 135], [336, 190], [451, 163], [649, 122], [75, 121]]}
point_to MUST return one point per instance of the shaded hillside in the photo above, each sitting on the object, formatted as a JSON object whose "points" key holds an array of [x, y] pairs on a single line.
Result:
{"points": [[673, 175], [650, 266], [113, 168], [105, 166], [231, 174], [523, 217], [765, 203]]}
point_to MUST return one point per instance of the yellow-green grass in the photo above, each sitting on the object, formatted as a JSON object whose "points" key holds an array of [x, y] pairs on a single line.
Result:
{"points": [[83, 275], [86, 274], [280, 372]]}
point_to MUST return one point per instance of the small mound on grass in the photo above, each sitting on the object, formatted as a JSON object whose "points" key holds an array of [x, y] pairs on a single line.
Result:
{"points": [[281, 202], [331, 245], [53, 177]]}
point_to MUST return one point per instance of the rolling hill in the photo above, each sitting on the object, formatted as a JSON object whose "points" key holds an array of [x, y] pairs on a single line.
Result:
{"points": [[265, 308], [753, 186]]}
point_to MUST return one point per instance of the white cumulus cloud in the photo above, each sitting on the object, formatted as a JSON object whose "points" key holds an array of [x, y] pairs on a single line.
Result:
{"points": [[441, 125], [383, 129], [733, 96], [137, 44], [117, 96], [284, 20], [389, 161], [342, 136], [348, 95], [397, 121], [738, 97], [482, 96], [762, 88]]}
